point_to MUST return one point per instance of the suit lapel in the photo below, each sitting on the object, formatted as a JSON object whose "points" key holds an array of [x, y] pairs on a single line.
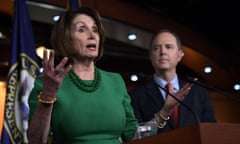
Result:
{"points": [[182, 110], [155, 94]]}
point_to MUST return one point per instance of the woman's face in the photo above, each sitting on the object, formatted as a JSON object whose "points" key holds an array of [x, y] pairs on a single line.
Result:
{"points": [[85, 37]]}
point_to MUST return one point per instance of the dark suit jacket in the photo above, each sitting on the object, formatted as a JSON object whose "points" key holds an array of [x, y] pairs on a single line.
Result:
{"points": [[147, 100]]}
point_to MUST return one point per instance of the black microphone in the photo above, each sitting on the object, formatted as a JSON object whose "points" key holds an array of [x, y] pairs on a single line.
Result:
{"points": [[195, 81], [182, 103]]}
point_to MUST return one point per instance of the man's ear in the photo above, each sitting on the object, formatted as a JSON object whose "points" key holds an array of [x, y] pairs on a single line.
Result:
{"points": [[180, 55]]}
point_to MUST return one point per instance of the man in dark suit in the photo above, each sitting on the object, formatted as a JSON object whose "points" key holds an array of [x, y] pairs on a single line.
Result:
{"points": [[151, 102]]}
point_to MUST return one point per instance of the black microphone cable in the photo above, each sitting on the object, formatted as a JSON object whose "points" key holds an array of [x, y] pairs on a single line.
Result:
{"points": [[181, 102]]}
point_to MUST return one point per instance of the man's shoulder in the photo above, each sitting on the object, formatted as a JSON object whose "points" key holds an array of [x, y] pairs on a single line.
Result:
{"points": [[194, 86], [144, 87]]}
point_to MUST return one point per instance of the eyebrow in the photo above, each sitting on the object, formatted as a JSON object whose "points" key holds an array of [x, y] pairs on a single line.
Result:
{"points": [[79, 22]]}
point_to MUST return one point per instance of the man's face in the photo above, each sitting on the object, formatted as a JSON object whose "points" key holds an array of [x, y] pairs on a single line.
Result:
{"points": [[164, 53]]}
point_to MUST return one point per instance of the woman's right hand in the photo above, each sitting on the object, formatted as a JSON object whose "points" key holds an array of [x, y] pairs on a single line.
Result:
{"points": [[171, 103], [52, 76]]}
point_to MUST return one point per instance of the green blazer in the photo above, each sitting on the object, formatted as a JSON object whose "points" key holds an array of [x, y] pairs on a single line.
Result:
{"points": [[97, 117]]}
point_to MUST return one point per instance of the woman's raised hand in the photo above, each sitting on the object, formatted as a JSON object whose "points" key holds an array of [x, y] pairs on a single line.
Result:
{"points": [[52, 76]]}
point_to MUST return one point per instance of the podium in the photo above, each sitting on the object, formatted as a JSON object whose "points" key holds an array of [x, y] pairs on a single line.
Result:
{"points": [[204, 133]]}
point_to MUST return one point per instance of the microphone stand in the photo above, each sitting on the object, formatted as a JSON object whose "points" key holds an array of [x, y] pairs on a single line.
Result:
{"points": [[182, 103]]}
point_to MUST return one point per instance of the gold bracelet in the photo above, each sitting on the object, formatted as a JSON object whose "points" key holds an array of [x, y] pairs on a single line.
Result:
{"points": [[160, 124], [163, 117], [46, 101]]}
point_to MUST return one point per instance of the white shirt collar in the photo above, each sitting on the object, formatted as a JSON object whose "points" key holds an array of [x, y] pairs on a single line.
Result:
{"points": [[163, 83]]}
